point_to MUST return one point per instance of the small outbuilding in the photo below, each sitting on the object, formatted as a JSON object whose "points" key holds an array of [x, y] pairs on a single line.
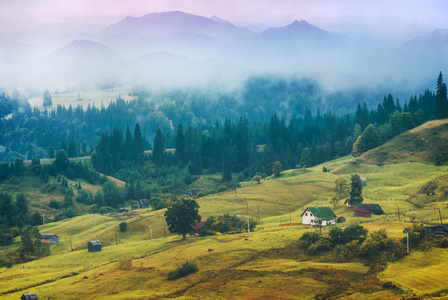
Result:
{"points": [[5, 240], [94, 246], [364, 213], [318, 215], [29, 296], [134, 207], [194, 191], [439, 230], [198, 226], [340, 220], [48, 238], [373, 208], [363, 181], [143, 203]]}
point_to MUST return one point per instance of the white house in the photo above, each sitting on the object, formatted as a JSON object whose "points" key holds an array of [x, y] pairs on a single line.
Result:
{"points": [[315, 215]]}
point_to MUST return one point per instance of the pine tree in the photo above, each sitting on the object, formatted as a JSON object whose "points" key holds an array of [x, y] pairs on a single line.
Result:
{"points": [[180, 143], [158, 152], [196, 164], [226, 165], [138, 145], [441, 102], [71, 151]]}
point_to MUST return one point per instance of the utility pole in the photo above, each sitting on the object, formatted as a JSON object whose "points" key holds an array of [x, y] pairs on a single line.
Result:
{"points": [[116, 239], [440, 214], [398, 208], [164, 230], [290, 222], [71, 246], [150, 229], [247, 211], [258, 213], [94, 219]]}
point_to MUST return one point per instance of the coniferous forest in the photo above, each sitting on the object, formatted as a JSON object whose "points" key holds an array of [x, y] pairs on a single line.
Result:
{"points": [[240, 147]]}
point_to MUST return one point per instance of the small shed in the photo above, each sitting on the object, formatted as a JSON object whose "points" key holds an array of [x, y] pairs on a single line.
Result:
{"points": [[29, 296], [364, 213], [194, 191], [143, 203], [373, 208], [94, 246], [439, 230], [48, 238], [340, 220], [198, 226], [363, 181], [5, 240], [312, 214]]}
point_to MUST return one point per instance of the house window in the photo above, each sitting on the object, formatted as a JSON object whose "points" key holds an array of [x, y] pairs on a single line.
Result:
{"points": [[306, 214]]}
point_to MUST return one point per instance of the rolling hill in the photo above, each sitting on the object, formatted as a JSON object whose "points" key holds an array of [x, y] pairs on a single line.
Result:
{"points": [[264, 264]]}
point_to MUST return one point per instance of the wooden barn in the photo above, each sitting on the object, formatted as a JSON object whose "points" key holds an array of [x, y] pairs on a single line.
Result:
{"points": [[94, 246], [324, 214], [143, 203], [439, 230], [5, 240], [29, 296], [364, 213], [373, 208], [48, 238]]}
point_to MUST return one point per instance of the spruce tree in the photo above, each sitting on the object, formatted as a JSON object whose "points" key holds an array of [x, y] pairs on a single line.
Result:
{"points": [[180, 143], [158, 152], [138, 144], [71, 151], [441, 102]]}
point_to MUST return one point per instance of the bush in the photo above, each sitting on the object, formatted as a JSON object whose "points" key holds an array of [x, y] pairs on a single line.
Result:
{"points": [[123, 226], [54, 204], [106, 210], [186, 269]]}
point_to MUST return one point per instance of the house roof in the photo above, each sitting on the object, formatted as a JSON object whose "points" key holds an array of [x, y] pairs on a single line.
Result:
{"points": [[363, 178], [30, 296], [324, 213], [95, 243], [369, 207], [363, 210], [47, 235], [144, 201], [198, 225]]}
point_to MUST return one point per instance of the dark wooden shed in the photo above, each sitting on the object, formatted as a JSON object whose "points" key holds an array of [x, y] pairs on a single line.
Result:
{"points": [[438, 230], [373, 208], [360, 212], [5, 240], [94, 246], [340, 220], [143, 203], [29, 296]]}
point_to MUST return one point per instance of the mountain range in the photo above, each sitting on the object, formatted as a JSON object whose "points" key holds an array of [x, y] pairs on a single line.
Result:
{"points": [[130, 51]]}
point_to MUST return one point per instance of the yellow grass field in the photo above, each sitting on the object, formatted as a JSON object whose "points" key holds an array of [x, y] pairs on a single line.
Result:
{"points": [[240, 266]]}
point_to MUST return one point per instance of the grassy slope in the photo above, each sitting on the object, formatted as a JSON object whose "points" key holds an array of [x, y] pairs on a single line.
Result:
{"points": [[241, 266]]}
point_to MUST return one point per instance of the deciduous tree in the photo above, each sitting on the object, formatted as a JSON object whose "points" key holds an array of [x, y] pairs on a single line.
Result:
{"points": [[182, 215]]}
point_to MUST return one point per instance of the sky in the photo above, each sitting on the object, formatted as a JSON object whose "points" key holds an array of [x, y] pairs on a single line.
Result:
{"points": [[386, 15]]}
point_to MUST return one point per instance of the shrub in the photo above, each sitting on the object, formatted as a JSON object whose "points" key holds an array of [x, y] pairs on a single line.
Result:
{"points": [[54, 204], [123, 226], [106, 210], [186, 269]]}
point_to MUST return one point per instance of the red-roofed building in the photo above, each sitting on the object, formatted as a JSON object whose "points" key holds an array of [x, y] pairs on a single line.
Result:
{"points": [[361, 212], [198, 226]]}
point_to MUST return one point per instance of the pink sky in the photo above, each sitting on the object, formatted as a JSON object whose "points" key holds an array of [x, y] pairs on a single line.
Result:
{"points": [[386, 13]]}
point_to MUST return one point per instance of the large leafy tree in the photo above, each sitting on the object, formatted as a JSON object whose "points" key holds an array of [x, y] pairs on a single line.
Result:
{"points": [[61, 160], [47, 98], [356, 190], [369, 139], [182, 215], [341, 187]]}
